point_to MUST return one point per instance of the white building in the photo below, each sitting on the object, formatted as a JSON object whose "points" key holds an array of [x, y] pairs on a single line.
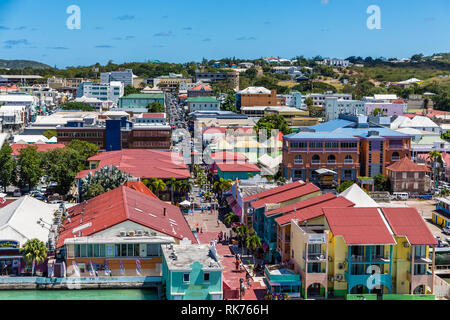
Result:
{"points": [[418, 122], [106, 91], [334, 107], [96, 103], [335, 62], [319, 98], [126, 77]]}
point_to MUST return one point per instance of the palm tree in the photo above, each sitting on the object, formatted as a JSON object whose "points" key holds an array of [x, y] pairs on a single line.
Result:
{"points": [[34, 252], [221, 186], [174, 185], [436, 162], [230, 217], [158, 185], [243, 232], [253, 243], [185, 186]]}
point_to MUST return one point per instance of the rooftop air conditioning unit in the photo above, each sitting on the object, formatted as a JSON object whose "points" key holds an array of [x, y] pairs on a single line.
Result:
{"points": [[146, 233], [131, 233], [405, 244], [139, 232], [341, 266], [339, 277], [153, 233], [123, 234]]}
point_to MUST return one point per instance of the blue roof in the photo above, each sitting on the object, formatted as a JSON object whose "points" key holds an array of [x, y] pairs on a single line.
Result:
{"points": [[319, 135], [331, 125], [363, 132]]}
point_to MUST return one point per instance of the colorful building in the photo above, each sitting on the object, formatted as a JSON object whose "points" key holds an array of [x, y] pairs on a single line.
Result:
{"points": [[120, 232], [236, 170], [441, 216], [349, 146], [140, 101], [265, 225], [256, 96], [302, 210], [365, 252], [203, 103], [200, 90], [192, 272], [281, 281]]}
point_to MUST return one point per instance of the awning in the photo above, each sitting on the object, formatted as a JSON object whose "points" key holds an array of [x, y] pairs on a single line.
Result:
{"points": [[237, 210], [185, 203], [285, 283]]}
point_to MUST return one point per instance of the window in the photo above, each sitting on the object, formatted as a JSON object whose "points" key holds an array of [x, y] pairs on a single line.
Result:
{"points": [[331, 145], [331, 159], [395, 156], [348, 145], [316, 159], [298, 159], [348, 159], [316, 145], [186, 277], [298, 145], [152, 250], [77, 250], [83, 251], [206, 277]]}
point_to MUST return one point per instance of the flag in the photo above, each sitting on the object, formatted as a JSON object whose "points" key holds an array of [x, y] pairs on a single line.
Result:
{"points": [[138, 267], [91, 272], [107, 271], [122, 268]]}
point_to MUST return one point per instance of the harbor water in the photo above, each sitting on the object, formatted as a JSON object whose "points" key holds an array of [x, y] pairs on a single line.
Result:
{"points": [[86, 294]]}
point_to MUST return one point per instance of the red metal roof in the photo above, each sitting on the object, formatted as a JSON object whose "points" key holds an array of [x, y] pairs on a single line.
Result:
{"points": [[302, 204], [408, 222], [237, 167], [405, 164], [273, 191], [315, 210], [227, 156], [358, 226], [41, 147], [201, 87], [139, 186], [153, 115], [300, 191], [142, 163], [125, 204]]}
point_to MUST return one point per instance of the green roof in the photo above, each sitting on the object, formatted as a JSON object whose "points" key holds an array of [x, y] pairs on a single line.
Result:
{"points": [[429, 139], [202, 99], [144, 96]]}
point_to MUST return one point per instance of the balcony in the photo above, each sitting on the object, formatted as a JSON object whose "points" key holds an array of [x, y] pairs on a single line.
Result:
{"points": [[422, 260], [315, 162], [315, 256], [395, 158], [348, 161], [418, 279], [374, 259], [331, 162]]}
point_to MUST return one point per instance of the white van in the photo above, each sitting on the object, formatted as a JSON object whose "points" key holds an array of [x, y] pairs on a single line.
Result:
{"points": [[401, 195]]}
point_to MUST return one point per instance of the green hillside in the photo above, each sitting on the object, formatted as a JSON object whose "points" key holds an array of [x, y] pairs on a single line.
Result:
{"points": [[19, 64]]}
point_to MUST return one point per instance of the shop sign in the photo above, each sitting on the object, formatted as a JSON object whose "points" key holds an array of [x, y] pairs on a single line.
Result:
{"points": [[9, 244]]}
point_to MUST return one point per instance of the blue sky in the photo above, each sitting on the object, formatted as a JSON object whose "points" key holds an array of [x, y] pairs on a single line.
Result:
{"points": [[181, 31]]}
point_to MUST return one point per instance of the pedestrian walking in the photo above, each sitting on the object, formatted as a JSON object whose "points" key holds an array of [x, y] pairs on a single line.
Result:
{"points": [[241, 289]]}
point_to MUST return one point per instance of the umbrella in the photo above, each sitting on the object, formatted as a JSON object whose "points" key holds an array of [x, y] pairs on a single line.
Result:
{"points": [[185, 203]]}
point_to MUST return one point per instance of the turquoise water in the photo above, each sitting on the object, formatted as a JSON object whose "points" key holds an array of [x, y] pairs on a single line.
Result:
{"points": [[104, 294]]}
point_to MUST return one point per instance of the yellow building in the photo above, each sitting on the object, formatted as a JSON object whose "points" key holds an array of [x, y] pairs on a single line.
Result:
{"points": [[364, 252]]}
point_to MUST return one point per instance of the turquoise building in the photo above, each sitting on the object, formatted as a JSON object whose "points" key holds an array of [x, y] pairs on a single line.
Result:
{"points": [[191, 272], [281, 280], [233, 171], [140, 100]]}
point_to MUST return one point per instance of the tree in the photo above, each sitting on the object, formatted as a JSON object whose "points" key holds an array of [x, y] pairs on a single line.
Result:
{"points": [[377, 112], [243, 232], [156, 185], [34, 252], [109, 177], [155, 107], [129, 89], [344, 186], [62, 166], [29, 167], [221, 186], [50, 134], [436, 164], [253, 243], [77, 106], [94, 190], [230, 218], [174, 185], [230, 103], [7, 166], [309, 101], [251, 73], [273, 121], [86, 149], [381, 182]]}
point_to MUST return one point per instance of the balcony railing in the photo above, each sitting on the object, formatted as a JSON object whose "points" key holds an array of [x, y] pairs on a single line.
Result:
{"points": [[374, 258], [315, 256], [419, 259], [331, 162], [348, 161], [395, 158], [315, 162]]}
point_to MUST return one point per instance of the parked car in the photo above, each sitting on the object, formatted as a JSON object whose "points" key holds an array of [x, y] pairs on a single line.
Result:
{"points": [[17, 193], [446, 230]]}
